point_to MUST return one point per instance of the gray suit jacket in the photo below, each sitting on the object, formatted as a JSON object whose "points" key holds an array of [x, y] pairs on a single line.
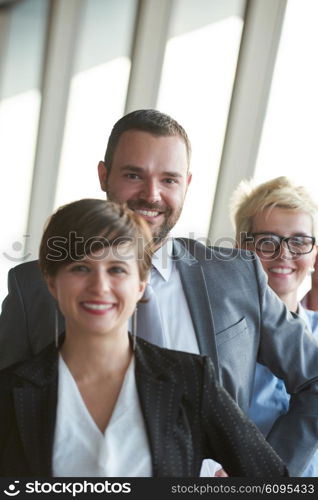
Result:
{"points": [[237, 318], [187, 415]]}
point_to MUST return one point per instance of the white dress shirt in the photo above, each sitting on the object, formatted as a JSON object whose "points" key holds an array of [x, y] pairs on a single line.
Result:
{"points": [[81, 449], [177, 325]]}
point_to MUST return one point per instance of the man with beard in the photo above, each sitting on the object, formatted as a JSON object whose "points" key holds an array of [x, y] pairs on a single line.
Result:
{"points": [[212, 301]]}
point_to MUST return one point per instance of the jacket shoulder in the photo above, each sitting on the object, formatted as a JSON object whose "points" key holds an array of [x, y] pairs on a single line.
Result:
{"points": [[162, 359], [38, 369], [27, 270], [27, 280], [203, 252]]}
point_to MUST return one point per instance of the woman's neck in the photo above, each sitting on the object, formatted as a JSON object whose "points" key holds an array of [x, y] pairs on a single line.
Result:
{"points": [[94, 357], [290, 300]]}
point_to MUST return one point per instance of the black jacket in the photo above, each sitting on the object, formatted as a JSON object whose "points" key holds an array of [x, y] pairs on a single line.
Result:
{"points": [[188, 417]]}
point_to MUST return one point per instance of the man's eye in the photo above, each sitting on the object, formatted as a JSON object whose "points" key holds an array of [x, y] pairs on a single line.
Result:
{"points": [[170, 181], [132, 176]]}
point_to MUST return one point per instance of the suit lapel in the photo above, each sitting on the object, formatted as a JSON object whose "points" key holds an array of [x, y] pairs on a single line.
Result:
{"points": [[35, 405], [160, 400], [196, 292]]}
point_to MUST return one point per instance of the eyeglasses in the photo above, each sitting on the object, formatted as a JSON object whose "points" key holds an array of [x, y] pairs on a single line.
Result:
{"points": [[270, 244]]}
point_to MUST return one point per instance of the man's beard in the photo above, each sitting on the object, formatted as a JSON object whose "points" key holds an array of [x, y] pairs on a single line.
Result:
{"points": [[160, 233]]}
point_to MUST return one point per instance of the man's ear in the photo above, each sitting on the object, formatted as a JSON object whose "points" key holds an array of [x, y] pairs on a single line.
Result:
{"points": [[189, 179], [50, 281], [102, 174]]}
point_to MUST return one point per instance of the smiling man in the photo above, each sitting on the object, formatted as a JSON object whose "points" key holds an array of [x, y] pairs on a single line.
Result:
{"points": [[211, 301], [147, 170]]}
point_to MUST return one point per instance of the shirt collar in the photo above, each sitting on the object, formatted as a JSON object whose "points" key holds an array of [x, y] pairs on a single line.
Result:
{"points": [[162, 259], [302, 314]]}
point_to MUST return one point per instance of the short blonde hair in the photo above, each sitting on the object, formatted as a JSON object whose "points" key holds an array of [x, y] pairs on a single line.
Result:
{"points": [[249, 199]]}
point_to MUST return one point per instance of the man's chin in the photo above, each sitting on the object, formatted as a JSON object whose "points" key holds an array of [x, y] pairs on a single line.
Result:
{"points": [[159, 235]]}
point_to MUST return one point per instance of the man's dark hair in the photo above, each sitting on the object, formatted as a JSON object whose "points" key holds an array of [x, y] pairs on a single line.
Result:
{"points": [[145, 120]]}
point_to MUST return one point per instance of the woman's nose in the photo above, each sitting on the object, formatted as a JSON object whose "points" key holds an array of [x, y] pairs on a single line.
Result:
{"points": [[285, 253], [99, 282]]}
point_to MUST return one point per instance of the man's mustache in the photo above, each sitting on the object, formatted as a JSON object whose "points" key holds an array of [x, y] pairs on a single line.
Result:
{"points": [[145, 205]]}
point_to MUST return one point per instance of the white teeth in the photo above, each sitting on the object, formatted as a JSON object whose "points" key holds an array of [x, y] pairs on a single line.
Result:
{"points": [[148, 213], [97, 307], [281, 270]]}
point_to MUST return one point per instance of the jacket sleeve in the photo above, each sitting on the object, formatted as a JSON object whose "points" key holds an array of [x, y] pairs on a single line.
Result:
{"points": [[291, 353], [231, 438], [14, 343]]}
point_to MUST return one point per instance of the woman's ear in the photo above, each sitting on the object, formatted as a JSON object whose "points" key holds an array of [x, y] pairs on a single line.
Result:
{"points": [[142, 287], [314, 255], [238, 241], [50, 281]]}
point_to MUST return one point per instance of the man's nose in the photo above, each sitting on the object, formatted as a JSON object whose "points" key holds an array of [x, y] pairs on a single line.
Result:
{"points": [[151, 191]]}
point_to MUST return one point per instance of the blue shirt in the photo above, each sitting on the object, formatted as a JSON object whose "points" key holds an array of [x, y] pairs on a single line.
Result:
{"points": [[270, 398]]}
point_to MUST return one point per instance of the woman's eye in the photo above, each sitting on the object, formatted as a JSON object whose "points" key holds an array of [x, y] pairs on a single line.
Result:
{"points": [[267, 241], [297, 241], [117, 270], [80, 268]]}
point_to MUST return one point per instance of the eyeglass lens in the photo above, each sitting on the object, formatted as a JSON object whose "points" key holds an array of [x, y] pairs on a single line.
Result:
{"points": [[270, 243]]}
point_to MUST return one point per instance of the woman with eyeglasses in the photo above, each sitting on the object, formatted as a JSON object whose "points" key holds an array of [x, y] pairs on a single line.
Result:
{"points": [[278, 220]]}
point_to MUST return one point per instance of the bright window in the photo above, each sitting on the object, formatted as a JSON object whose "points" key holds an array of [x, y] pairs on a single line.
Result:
{"points": [[289, 143], [20, 80], [97, 95], [196, 88]]}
